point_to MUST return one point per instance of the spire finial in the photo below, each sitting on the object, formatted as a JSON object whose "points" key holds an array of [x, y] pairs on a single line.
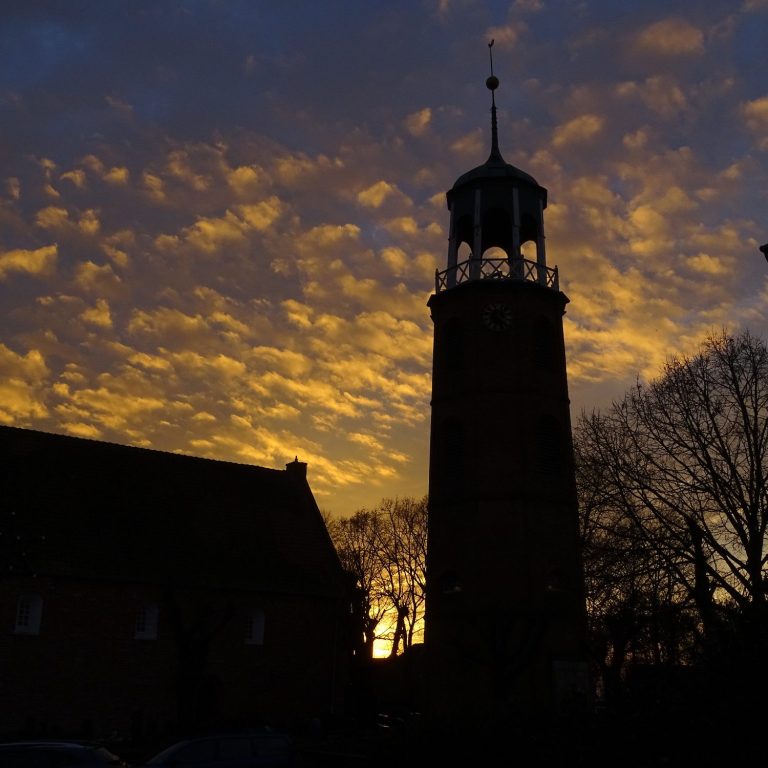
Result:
{"points": [[492, 83]]}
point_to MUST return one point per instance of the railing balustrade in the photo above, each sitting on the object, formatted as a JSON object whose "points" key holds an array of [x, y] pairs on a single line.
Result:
{"points": [[497, 269]]}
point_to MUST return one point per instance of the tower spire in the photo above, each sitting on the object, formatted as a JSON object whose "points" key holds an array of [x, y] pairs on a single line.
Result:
{"points": [[492, 83]]}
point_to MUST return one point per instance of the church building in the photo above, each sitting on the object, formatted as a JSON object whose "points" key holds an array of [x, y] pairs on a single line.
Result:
{"points": [[148, 594]]}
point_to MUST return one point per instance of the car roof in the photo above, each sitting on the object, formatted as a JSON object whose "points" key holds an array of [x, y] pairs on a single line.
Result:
{"points": [[49, 743]]}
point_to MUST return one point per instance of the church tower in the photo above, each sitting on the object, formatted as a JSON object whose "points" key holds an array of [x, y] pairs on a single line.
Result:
{"points": [[505, 621]]}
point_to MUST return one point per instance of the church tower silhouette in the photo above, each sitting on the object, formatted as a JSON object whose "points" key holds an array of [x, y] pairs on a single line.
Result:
{"points": [[505, 616]]}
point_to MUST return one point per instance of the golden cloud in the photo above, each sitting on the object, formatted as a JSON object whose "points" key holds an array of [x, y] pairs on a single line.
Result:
{"points": [[369, 441], [663, 96], [298, 314], [150, 362], [756, 116], [292, 168], [89, 223], [96, 278], [179, 166], [118, 176], [376, 194], [40, 262], [212, 234], [247, 179], [164, 322], [671, 37], [284, 361], [636, 140], [113, 246], [52, 217], [23, 383], [77, 177], [82, 429], [99, 315], [113, 406], [13, 187], [154, 186], [470, 144], [403, 225], [418, 122], [579, 129], [261, 215], [230, 324], [328, 234], [710, 265]]}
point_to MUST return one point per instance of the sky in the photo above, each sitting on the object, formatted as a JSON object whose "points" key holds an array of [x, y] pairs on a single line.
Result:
{"points": [[220, 219]]}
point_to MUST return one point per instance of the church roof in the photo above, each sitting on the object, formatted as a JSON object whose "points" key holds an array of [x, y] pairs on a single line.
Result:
{"points": [[494, 168], [115, 512]]}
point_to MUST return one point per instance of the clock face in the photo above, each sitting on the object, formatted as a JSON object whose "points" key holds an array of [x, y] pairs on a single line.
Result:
{"points": [[497, 317]]}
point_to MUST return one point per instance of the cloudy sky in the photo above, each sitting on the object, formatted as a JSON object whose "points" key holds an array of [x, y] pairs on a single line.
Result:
{"points": [[220, 219]]}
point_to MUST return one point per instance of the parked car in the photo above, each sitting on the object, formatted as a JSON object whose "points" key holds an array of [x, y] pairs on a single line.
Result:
{"points": [[265, 749], [57, 754]]}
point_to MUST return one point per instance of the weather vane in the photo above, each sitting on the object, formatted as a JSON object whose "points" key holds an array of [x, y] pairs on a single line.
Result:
{"points": [[492, 83]]}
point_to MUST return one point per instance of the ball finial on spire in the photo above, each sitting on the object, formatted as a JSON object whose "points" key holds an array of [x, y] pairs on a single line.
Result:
{"points": [[492, 83]]}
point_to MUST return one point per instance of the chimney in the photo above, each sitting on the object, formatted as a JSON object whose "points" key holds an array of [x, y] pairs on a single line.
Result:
{"points": [[297, 469]]}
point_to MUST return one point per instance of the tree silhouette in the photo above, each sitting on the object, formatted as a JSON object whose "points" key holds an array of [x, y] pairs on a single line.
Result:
{"points": [[683, 462], [385, 551]]}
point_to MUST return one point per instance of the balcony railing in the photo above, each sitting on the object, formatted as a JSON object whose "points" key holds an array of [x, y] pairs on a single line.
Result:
{"points": [[497, 269]]}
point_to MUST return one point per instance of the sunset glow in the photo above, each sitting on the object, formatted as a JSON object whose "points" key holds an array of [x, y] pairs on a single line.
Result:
{"points": [[220, 222]]}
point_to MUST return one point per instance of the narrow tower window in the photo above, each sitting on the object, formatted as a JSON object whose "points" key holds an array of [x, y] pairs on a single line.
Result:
{"points": [[145, 626], [29, 612], [254, 628]]}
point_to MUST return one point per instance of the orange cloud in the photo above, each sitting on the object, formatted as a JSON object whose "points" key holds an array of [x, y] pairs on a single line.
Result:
{"points": [[40, 262], [376, 194], [99, 315], [756, 116], [23, 381], [671, 37], [418, 122], [579, 129]]}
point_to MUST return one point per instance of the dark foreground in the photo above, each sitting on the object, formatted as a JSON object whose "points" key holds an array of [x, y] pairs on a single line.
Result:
{"points": [[705, 732]]}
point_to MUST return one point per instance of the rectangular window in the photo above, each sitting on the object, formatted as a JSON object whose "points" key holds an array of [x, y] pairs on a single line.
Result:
{"points": [[29, 612], [254, 628], [145, 627]]}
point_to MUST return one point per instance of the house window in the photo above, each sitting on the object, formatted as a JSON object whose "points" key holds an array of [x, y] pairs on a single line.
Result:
{"points": [[254, 628], [29, 611], [145, 627]]}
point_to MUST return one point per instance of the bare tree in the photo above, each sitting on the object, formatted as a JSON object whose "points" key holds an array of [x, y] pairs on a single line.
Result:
{"points": [[357, 542], [385, 550], [637, 611], [684, 459], [403, 558]]}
